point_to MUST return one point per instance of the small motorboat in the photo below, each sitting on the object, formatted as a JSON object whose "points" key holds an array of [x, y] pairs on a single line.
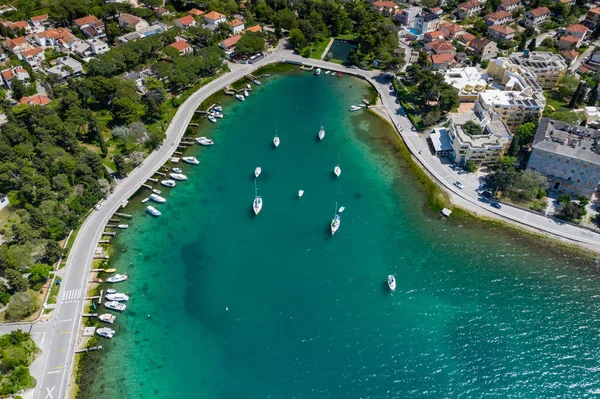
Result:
{"points": [[321, 133], [156, 191], [118, 297], [391, 280], [337, 171], [246, 94], [240, 97], [267, 75], [257, 82], [342, 208], [157, 198], [327, 72], [105, 332], [218, 108], [276, 141], [113, 305], [248, 86], [178, 176], [257, 171], [111, 270], [300, 193], [153, 211], [117, 278], [365, 101], [145, 200], [111, 291], [318, 72], [168, 183], [177, 170], [354, 108], [212, 118], [339, 74], [218, 115], [191, 160], [204, 141], [107, 318], [123, 226]]}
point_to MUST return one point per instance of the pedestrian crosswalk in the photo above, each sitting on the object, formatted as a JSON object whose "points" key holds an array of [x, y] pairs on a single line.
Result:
{"points": [[71, 296]]}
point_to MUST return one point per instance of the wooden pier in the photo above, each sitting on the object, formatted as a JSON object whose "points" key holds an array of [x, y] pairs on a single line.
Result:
{"points": [[89, 315], [177, 152], [124, 215], [114, 220], [194, 124], [101, 257], [92, 349], [103, 241], [160, 174], [109, 233], [111, 226], [149, 187], [153, 181]]}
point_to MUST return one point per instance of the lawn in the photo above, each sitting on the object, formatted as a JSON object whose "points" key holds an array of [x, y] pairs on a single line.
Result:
{"points": [[554, 99], [8, 217], [349, 36], [319, 47]]}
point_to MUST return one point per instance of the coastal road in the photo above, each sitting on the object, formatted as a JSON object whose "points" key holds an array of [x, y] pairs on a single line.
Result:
{"points": [[59, 336]]}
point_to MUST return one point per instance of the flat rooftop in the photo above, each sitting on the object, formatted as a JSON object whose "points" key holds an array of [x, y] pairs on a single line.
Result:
{"points": [[574, 141]]}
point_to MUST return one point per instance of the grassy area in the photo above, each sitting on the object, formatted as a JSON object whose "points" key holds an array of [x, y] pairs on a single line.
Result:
{"points": [[349, 36], [54, 290], [319, 47], [405, 97], [8, 217], [554, 99]]}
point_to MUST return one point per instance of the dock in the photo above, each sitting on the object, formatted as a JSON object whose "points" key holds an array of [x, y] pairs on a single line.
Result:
{"points": [[92, 349], [153, 181], [111, 226], [123, 215], [177, 152], [101, 257], [103, 241], [114, 220], [194, 124], [109, 233], [160, 174], [89, 315]]}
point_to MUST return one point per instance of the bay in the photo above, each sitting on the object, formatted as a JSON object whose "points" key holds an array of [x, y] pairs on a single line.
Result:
{"points": [[226, 304]]}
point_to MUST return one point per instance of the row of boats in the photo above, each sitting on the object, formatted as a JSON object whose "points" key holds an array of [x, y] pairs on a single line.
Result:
{"points": [[215, 113], [113, 301], [318, 72]]}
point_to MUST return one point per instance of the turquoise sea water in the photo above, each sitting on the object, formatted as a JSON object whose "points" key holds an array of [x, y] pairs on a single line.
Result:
{"points": [[478, 312]]}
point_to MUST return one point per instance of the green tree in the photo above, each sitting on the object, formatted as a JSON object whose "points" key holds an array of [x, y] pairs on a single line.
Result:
{"points": [[286, 18], [449, 99], [16, 280], [297, 39], [250, 43], [567, 116], [121, 164], [522, 43], [21, 305], [514, 148], [470, 166], [532, 44], [567, 85], [39, 274], [526, 132], [18, 89]]}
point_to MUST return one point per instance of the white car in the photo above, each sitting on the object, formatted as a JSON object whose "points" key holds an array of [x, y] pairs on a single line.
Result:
{"points": [[99, 206], [459, 185]]}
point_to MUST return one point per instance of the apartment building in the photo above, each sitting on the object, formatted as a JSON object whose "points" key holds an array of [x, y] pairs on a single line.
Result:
{"points": [[498, 18], [510, 5], [592, 18], [426, 23], [547, 68], [407, 16], [501, 32], [469, 8], [536, 16]]}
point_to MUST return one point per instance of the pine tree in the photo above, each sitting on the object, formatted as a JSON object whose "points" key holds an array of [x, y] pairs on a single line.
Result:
{"points": [[532, 44], [513, 150], [593, 96]]}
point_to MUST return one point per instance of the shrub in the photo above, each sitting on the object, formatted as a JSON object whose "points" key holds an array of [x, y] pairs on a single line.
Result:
{"points": [[21, 305]]}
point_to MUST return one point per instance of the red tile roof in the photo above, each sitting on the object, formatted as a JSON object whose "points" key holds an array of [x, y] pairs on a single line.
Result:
{"points": [[255, 28], [7, 75], [538, 12], [509, 2], [577, 28], [441, 45], [595, 10], [85, 20], [38, 18], [452, 28], [38, 99], [571, 39], [17, 41], [213, 15], [161, 10], [180, 45], [234, 23], [128, 19], [498, 15], [441, 58], [385, 4], [570, 54], [18, 25], [195, 12], [231, 41], [33, 51], [502, 29], [470, 4], [435, 33], [186, 21]]}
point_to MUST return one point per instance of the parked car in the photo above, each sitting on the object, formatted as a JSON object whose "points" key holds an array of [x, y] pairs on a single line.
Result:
{"points": [[486, 194], [496, 205], [99, 206], [459, 185]]}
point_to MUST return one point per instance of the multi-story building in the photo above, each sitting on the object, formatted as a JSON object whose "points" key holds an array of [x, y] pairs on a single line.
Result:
{"points": [[484, 148], [407, 16], [517, 104], [469, 8], [592, 18], [214, 18], [501, 32], [536, 16], [498, 18], [426, 23], [569, 155], [510, 5], [451, 30], [386, 8], [133, 22], [547, 68], [185, 22], [468, 81], [61, 70], [236, 26], [183, 47], [484, 48]]}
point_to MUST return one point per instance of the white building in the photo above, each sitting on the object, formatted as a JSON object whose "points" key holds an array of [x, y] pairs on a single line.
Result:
{"points": [[60, 69]]}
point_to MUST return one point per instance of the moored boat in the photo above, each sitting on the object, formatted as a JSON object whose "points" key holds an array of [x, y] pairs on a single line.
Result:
{"points": [[239, 97], [168, 183], [212, 119], [257, 171], [113, 305], [111, 291], [335, 223], [354, 108], [246, 94], [178, 176], [118, 297], [204, 141], [276, 141], [321, 132], [342, 209], [123, 226], [157, 198], [105, 332], [339, 74], [248, 86], [327, 72], [111, 270], [257, 82], [257, 203], [391, 280], [153, 211], [157, 191], [318, 71], [117, 278], [145, 200], [107, 318], [191, 160], [337, 171], [177, 170], [300, 193], [218, 108]]}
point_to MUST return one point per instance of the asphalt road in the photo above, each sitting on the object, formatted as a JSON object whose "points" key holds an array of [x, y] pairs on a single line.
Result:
{"points": [[58, 337]]}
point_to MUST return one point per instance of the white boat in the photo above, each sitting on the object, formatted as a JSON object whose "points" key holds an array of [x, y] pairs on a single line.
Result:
{"points": [[248, 86], [257, 171], [111, 291], [300, 193], [145, 200], [115, 306], [276, 141], [337, 171], [192, 160], [117, 278], [318, 71], [178, 176], [335, 222], [212, 119], [105, 332], [246, 94], [327, 72], [157, 198], [239, 97], [342, 208], [354, 108], [123, 226], [156, 191], [118, 297], [204, 141], [177, 170], [321, 132], [218, 115], [391, 280], [107, 318], [257, 82], [218, 108], [168, 183], [153, 211], [257, 204], [267, 75]]}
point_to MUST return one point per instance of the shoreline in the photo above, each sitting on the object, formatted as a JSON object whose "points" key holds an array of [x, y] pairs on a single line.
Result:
{"points": [[131, 184]]}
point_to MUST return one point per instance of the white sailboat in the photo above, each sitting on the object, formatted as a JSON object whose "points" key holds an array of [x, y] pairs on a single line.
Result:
{"points": [[342, 208], [276, 140], [321, 132], [300, 193], [257, 171], [391, 280], [257, 204], [337, 170], [335, 222]]}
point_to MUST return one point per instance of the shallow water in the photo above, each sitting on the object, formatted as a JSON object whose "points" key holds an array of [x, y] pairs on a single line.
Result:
{"points": [[228, 305]]}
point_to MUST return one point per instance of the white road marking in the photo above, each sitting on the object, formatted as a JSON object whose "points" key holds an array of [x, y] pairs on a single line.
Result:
{"points": [[65, 320], [71, 296], [54, 372], [49, 393]]}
